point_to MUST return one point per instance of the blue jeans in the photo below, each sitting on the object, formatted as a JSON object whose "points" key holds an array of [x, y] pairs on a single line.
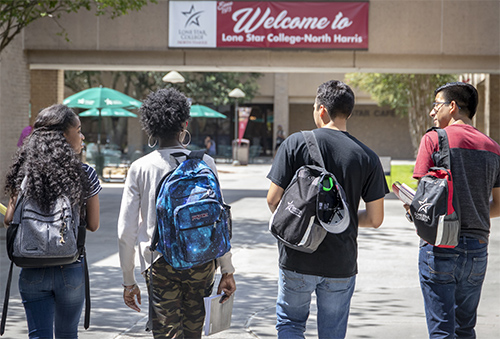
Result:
{"points": [[53, 299], [451, 282], [294, 298]]}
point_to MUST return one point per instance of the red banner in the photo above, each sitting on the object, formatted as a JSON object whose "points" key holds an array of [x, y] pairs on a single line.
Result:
{"points": [[243, 115], [339, 25], [268, 24]]}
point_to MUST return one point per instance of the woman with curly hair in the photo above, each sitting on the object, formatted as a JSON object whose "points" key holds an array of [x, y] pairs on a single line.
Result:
{"points": [[49, 159], [177, 295]]}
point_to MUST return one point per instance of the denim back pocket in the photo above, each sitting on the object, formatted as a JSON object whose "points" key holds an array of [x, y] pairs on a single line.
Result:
{"points": [[293, 281], [478, 270], [442, 267], [72, 275], [32, 276], [338, 285]]}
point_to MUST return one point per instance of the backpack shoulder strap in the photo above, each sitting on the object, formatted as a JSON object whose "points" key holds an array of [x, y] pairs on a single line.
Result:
{"points": [[6, 300], [178, 155], [442, 157], [16, 220], [312, 147], [198, 154], [86, 322]]}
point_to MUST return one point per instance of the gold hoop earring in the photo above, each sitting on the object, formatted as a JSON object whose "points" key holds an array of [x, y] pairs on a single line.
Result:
{"points": [[182, 136], [149, 142]]}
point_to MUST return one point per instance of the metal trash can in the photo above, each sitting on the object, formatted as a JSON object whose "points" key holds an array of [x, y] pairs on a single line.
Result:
{"points": [[99, 164], [240, 152]]}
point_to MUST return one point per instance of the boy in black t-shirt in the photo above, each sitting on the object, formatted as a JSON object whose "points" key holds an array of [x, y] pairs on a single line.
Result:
{"points": [[331, 269]]}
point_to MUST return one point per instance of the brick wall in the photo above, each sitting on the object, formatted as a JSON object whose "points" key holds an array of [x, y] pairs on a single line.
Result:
{"points": [[14, 108], [47, 88], [378, 128], [494, 95]]}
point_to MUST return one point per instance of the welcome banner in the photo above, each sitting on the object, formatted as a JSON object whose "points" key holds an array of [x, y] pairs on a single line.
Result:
{"points": [[304, 25]]}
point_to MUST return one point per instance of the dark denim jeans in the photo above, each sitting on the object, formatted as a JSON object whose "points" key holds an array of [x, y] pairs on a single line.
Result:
{"points": [[333, 297], [451, 282], [53, 299]]}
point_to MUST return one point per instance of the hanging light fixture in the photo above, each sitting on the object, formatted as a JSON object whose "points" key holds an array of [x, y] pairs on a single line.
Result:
{"points": [[173, 77]]}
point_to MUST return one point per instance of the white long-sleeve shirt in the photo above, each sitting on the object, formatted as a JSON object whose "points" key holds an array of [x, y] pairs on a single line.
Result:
{"points": [[137, 218]]}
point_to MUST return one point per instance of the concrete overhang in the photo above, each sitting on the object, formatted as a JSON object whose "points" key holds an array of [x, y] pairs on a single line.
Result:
{"points": [[263, 61]]}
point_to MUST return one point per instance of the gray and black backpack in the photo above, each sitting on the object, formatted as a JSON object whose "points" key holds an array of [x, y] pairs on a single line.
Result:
{"points": [[313, 204], [41, 238]]}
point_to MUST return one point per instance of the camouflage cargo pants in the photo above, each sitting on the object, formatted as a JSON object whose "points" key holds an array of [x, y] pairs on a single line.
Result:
{"points": [[178, 309]]}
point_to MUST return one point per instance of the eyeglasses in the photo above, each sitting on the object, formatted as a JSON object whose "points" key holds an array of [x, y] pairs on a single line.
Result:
{"points": [[436, 106]]}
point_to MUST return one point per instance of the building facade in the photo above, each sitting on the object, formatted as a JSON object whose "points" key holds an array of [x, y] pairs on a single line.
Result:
{"points": [[428, 36]]}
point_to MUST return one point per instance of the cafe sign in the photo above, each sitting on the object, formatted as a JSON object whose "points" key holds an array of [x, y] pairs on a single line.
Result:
{"points": [[300, 25]]}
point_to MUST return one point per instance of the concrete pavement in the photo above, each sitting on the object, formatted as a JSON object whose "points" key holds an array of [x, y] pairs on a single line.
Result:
{"points": [[387, 302]]}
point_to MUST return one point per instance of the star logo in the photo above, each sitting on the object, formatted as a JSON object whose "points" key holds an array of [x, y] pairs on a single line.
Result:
{"points": [[293, 210], [192, 17], [84, 101], [424, 206]]}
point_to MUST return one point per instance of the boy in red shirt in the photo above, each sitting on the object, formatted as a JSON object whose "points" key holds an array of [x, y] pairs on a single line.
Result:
{"points": [[451, 279]]}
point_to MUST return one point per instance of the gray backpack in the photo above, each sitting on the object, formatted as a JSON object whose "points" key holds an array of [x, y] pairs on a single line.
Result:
{"points": [[38, 238]]}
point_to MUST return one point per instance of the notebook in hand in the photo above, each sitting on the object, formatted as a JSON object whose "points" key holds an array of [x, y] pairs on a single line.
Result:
{"points": [[403, 192], [217, 315]]}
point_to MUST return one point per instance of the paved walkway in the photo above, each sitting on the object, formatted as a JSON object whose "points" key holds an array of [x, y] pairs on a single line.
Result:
{"points": [[387, 302]]}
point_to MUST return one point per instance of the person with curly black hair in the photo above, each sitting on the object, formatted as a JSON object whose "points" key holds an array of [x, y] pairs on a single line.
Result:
{"points": [[49, 159], [177, 310]]}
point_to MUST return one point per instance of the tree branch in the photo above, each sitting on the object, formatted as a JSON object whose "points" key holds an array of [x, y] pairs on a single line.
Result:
{"points": [[17, 14]]}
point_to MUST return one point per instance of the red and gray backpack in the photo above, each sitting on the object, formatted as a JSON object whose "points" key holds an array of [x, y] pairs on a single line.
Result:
{"points": [[435, 209]]}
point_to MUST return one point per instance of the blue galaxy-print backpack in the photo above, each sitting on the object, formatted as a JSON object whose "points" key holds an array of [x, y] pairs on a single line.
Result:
{"points": [[193, 224]]}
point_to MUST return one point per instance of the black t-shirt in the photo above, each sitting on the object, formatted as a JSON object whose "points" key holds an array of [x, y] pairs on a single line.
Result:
{"points": [[358, 170]]}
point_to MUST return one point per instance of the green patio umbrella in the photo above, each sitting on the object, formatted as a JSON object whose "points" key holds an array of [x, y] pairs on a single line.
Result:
{"points": [[200, 111], [108, 112], [100, 98]]}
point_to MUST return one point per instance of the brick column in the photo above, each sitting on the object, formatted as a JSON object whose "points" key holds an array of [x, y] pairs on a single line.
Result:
{"points": [[281, 105], [14, 108], [47, 88], [495, 107], [479, 120]]}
